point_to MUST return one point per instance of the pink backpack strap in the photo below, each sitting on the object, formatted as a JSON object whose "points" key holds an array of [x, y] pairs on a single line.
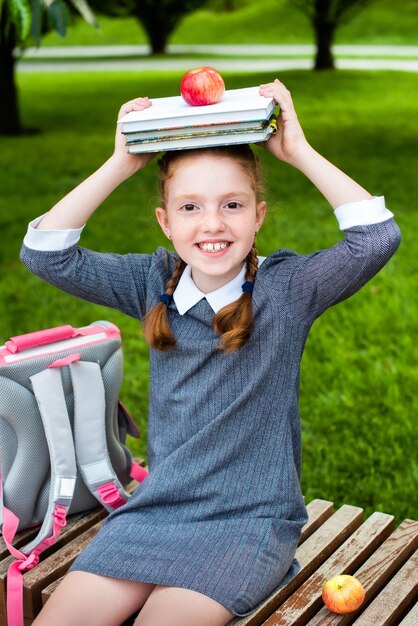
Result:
{"points": [[25, 562], [90, 436], [49, 395], [138, 473]]}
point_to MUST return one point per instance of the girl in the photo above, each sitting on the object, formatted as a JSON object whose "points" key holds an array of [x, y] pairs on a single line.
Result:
{"points": [[213, 529]]}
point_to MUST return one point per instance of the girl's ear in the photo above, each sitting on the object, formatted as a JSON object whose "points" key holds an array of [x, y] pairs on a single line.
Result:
{"points": [[260, 214], [161, 215]]}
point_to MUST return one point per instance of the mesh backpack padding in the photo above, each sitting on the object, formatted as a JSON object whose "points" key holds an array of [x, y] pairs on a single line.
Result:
{"points": [[27, 451]]}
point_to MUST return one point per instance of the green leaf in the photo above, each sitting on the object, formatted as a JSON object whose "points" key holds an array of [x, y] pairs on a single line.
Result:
{"points": [[84, 10], [59, 16], [21, 17], [36, 25]]}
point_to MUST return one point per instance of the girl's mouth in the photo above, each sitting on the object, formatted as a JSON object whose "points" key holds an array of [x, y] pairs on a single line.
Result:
{"points": [[209, 246]]}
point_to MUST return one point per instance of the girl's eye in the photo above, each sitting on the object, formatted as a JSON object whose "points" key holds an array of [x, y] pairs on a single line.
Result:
{"points": [[189, 207], [233, 205]]}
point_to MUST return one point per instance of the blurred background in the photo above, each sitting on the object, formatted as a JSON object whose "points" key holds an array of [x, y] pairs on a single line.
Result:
{"points": [[66, 66]]}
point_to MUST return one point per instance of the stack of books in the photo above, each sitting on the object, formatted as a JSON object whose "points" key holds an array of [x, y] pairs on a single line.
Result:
{"points": [[242, 116]]}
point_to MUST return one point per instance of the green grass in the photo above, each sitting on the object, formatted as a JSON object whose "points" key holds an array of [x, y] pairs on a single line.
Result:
{"points": [[359, 371], [265, 22]]}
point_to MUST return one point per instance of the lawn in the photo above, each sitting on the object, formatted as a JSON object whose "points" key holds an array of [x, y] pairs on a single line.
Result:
{"points": [[359, 371], [265, 22]]}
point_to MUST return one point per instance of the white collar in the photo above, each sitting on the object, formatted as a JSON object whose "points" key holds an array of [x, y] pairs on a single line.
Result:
{"points": [[186, 294]]}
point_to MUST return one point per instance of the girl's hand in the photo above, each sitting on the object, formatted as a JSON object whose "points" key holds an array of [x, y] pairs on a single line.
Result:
{"points": [[289, 139], [132, 162]]}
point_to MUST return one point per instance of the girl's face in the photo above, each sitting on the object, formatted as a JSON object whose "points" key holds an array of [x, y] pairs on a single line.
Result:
{"points": [[211, 215]]}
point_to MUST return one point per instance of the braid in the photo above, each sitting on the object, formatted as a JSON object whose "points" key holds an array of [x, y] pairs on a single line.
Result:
{"points": [[157, 328], [252, 264], [234, 322], [175, 277]]}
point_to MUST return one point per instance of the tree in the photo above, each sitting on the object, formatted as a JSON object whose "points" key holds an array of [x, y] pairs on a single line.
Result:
{"points": [[23, 22], [158, 17], [325, 17]]}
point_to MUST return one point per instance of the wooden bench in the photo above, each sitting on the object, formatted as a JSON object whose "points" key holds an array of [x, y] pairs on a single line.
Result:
{"points": [[384, 558]]}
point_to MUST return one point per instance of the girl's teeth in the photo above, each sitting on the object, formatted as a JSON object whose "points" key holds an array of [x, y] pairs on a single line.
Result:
{"points": [[213, 247]]}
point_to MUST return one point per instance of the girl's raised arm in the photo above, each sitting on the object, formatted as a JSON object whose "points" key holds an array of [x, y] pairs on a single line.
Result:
{"points": [[290, 145], [75, 208]]}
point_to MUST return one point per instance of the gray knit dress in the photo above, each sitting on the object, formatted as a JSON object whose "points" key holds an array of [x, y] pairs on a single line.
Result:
{"points": [[222, 509]]}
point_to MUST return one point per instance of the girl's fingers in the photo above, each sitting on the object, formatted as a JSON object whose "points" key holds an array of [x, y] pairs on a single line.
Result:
{"points": [[275, 82], [138, 104], [274, 87], [282, 96], [276, 90]]}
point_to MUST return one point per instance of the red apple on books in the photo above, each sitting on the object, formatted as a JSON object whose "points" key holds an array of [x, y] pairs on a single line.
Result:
{"points": [[343, 594], [203, 85]]}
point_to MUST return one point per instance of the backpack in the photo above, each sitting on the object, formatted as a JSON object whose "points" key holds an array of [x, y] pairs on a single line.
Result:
{"points": [[62, 437]]}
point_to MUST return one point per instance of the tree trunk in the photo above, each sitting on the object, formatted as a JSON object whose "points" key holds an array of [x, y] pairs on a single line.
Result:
{"points": [[157, 40], [157, 24], [324, 34], [160, 19], [9, 108]]}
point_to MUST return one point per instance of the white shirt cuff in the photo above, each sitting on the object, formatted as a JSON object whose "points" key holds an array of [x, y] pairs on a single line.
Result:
{"points": [[362, 213], [49, 240]]}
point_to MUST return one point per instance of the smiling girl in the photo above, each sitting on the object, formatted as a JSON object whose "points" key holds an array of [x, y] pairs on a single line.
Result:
{"points": [[213, 529]]}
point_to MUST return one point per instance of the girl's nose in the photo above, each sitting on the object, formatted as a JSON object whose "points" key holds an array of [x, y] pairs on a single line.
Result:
{"points": [[213, 222]]}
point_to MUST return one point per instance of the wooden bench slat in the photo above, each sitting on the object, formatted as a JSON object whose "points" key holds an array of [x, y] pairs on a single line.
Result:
{"points": [[394, 599], [311, 554], [49, 589], [376, 571], [3, 614], [411, 618], [302, 605], [21, 538], [318, 512]]}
